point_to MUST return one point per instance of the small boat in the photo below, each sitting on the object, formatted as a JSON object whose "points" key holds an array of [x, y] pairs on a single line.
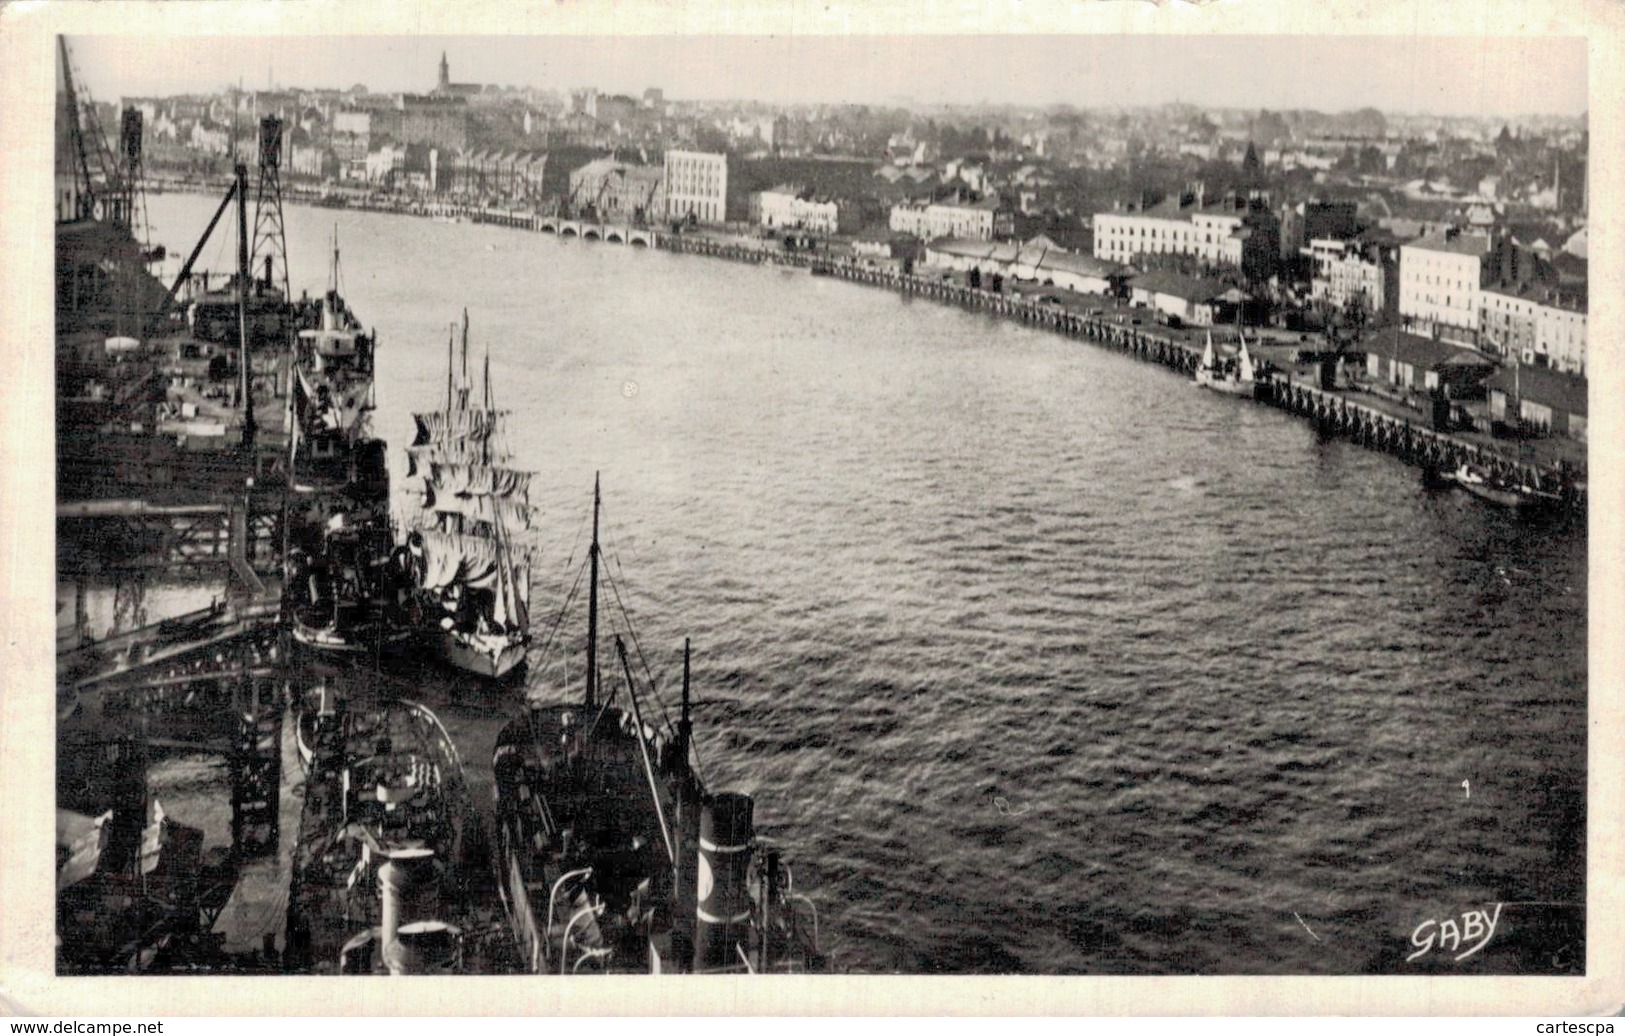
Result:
{"points": [[388, 845], [1235, 377], [472, 577], [613, 857], [1503, 492]]}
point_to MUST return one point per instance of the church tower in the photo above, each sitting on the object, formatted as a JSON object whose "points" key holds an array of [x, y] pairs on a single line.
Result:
{"points": [[445, 72]]}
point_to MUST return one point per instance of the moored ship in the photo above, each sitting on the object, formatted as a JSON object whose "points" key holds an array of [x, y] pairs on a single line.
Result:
{"points": [[1503, 492], [471, 574], [1233, 376], [613, 856], [342, 592], [388, 844]]}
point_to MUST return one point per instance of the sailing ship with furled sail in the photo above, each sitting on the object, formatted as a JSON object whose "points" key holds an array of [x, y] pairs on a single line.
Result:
{"points": [[471, 571]]}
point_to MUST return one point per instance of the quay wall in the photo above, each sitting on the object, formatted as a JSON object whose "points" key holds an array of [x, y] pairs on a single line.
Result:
{"points": [[1333, 413]]}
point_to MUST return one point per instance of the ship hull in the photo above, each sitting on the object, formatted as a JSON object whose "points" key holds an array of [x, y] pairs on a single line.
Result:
{"points": [[1502, 496], [385, 788], [1225, 386], [1509, 498], [345, 642], [490, 657]]}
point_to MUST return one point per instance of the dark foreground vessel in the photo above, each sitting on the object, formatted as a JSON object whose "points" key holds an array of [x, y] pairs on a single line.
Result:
{"points": [[388, 845], [613, 857]]}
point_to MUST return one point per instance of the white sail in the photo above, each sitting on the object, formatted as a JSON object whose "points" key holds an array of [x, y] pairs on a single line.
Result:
{"points": [[494, 511], [420, 459], [510, 607], [450, 558], [474, 479], [446, 427], [1207, 363], [1244, 364]]}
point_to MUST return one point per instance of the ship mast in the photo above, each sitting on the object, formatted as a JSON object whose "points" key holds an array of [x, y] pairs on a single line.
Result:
{"points": [[451, 341], [463, 387], [485, 440], [245, 381], [685, 725], [592, 604]]}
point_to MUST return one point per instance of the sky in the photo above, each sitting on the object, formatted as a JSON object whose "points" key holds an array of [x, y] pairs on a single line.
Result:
{"points": [[1497, 77]]}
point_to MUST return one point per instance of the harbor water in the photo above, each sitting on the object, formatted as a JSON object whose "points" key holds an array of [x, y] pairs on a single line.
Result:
{"points": [[1036, 658]]}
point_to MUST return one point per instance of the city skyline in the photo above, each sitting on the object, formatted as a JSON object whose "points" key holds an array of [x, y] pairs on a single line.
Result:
{"points": [[1486, 77]]}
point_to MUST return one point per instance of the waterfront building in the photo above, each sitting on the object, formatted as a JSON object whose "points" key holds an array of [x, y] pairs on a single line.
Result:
{"points": [[788, 206], [963, 254], [211, 140], [1084, 273], [1439, 281], [1233, 231], [1418, 365], [615, 191], [1540, 401], [1195, 300], [383, 164], [1346, 270], [880, 243], [1560, 332], [479, 174], [1039, 259], [982, 220], [697, 186], [1506, 323]]}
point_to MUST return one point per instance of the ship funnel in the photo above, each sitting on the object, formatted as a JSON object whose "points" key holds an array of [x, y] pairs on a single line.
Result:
{"points": [[401, 878], [722, 913]]}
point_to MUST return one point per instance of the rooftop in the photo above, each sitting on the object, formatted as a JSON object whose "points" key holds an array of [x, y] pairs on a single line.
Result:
{"points": [[1566, 392], [1569, 298], [1194, 289], [1079, 263], [1458, 244], [1422, 352]]}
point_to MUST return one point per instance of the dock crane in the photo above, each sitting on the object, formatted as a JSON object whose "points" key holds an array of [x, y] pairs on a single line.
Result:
{"points": [[640, 215], [596, 209], [108, 192]]}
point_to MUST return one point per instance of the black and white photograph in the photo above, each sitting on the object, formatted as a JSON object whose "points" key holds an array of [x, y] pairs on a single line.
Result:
{"points": [[772, 504]]}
